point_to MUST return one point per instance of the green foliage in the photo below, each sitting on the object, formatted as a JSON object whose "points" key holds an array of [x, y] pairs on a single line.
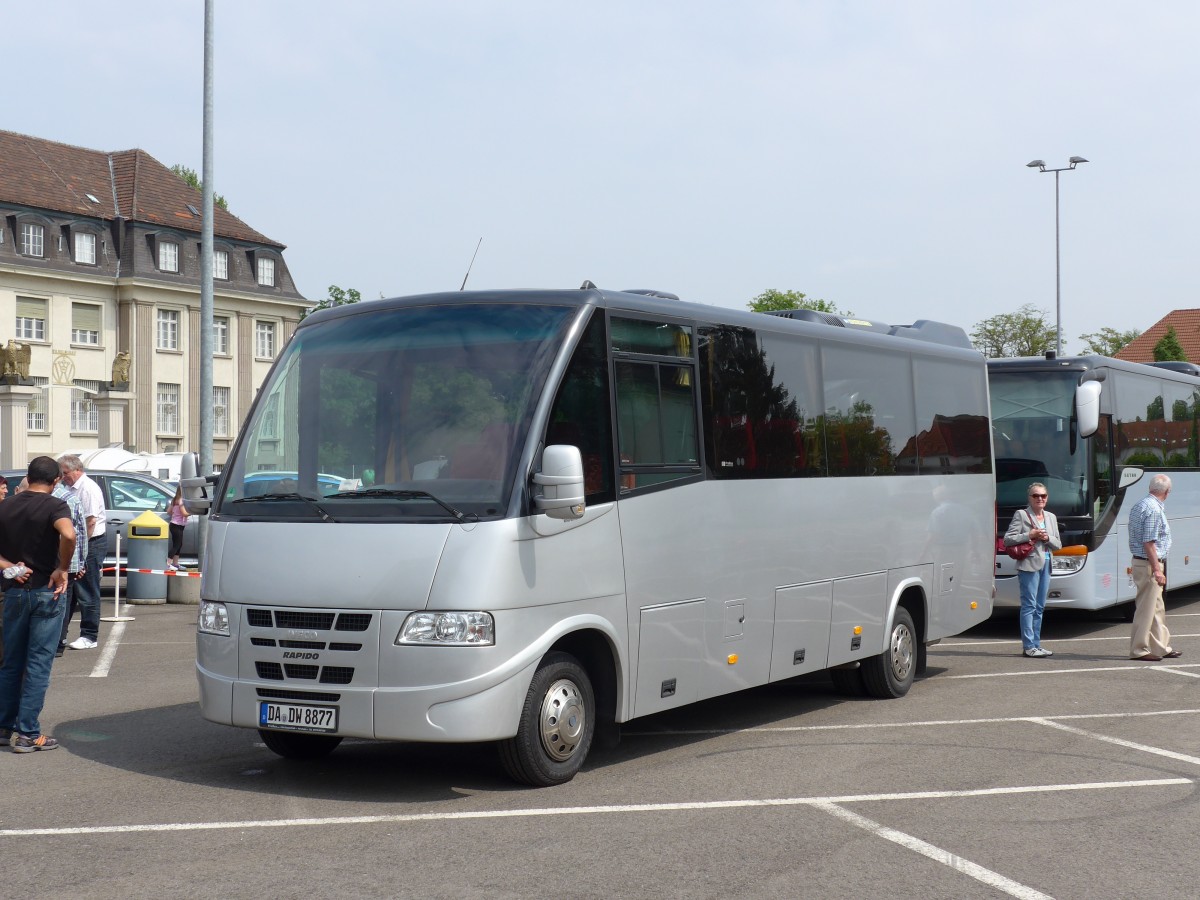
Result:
{"points": [[1024, 332], [772, 300], [1108, 341], [190, 176], [337, 297], [1168, 347]]}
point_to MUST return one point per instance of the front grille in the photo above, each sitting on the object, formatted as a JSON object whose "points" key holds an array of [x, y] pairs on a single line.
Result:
{"points": [[314, 621], [353, 622], [279, 694], [303, 645], [258, 618], [349, 648], [269, 671], [337, 675], [308, 673], [262, 642]]}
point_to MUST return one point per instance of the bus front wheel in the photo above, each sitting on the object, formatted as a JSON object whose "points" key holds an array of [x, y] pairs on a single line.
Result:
{"points": [[293, 745], [891, 673], [558, 721]]}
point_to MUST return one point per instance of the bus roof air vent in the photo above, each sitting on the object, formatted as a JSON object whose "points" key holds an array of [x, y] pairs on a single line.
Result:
{"points": [[808, 315], [1178, 365], [645, 292], [587, 286]]}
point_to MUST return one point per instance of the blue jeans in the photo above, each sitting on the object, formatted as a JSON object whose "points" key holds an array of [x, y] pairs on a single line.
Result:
{"points": [[85, 592], [32, 620], [1034, 588]]}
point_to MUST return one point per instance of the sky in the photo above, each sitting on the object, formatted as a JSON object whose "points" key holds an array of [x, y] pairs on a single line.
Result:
{"points": [[871, 154]]}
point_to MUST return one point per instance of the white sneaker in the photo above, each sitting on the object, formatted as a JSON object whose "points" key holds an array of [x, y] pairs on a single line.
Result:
{"points": [[1046, 652], [1037, 652], [82, 643]]}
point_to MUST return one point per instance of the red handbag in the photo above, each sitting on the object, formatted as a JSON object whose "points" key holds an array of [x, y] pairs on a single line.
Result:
{"points": [[1019, 551]]}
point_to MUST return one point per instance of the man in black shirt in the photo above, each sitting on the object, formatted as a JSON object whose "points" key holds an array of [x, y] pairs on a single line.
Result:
{"points": [[36, 533]]}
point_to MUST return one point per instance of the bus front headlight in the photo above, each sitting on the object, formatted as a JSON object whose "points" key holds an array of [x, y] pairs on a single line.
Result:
{"points": [[1067, 565], [213, 618], [448, 629]]}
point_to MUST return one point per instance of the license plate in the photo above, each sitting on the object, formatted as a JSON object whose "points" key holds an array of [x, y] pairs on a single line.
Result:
{"points": [[293, 717]]}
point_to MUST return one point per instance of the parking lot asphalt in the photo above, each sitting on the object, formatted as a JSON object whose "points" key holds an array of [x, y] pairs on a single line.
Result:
{"points": [[998, 775]]}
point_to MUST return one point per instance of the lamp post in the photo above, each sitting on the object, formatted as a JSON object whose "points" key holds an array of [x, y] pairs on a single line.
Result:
{"points": [[1041, 167]]}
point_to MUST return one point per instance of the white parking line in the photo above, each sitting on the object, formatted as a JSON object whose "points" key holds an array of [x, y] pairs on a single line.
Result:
{"points": [[1132, 666], [937, 854], [701, 805], [1120, 742], [927, 723], [1005, 642], [108, 651]]}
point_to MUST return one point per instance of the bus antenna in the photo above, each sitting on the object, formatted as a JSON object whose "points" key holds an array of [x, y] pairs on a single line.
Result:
{"points": [[472, 263]]}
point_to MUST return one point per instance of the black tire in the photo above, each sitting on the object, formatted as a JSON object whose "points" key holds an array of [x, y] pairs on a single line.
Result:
{"points": [[1126, 611], [891, 673], [558, 722], [296, 745], [848, 682]]}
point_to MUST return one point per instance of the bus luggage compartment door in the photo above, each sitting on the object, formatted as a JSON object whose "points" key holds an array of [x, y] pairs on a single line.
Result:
{"points": [[670, 653]]}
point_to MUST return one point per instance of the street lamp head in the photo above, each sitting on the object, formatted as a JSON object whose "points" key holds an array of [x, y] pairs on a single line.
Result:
{"points": [[1076, 160], [1036, 164]]}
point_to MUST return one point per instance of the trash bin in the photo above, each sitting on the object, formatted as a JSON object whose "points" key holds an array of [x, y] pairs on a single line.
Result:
{"points": [[146, 548]]}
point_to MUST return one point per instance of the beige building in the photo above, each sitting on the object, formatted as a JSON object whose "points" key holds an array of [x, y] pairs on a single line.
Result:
{"points": [[100, 257]]}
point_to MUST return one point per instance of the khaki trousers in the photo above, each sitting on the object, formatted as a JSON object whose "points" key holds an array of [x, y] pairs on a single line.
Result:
{"points": [[1150, 634]]}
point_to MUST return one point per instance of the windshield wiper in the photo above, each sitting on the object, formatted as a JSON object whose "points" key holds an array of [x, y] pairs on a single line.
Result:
{"points": [[404, 495], [290, 495]]}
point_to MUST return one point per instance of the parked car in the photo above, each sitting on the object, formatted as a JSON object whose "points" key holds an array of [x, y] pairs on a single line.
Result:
{"points": [[126, 496]]}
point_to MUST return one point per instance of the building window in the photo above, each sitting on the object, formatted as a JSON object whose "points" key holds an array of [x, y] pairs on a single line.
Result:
{"points": [[221, 264], [84, 415], [33, 239], [85, 324], [31, 319], [168, 329], [221, 411], [221, 335], [168, 256], [38, 404], [264, 340], [85, 248], [266, 271], [168, 408]]}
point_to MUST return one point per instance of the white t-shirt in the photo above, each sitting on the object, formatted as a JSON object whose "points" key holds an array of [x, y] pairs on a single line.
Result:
{"points": [[91, 499]]}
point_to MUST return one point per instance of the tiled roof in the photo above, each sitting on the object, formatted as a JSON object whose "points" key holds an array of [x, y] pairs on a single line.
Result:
{"points": [[132, 184], [1186, 323]]}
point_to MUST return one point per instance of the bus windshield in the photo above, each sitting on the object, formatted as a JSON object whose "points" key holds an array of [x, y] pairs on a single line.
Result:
{"points": [[421, 412], [1033, 435]]}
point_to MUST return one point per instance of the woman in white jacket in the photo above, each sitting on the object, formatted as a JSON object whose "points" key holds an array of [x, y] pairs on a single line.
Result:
{"points": [[1034, 523]]}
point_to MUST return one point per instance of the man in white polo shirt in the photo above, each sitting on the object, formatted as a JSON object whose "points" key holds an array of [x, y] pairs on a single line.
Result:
{"points": [[86, 595]]}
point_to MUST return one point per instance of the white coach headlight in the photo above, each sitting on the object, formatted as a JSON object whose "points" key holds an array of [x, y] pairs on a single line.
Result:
{"points": [[213, 618], [448, 629]]}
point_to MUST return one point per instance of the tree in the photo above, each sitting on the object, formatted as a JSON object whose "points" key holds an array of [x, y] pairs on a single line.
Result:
{"points": [[337, 297], [771, 300], [190, 176], [1108, 341], [1022, 333], [1168, 347]]}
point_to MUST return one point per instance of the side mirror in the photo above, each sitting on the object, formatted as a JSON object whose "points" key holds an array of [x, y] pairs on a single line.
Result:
{"points": [[1087, 407], [561, 482], [193, 483]]}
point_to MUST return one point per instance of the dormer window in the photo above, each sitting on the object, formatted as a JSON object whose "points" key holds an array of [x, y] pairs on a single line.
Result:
{"points": [[266, 271], [85, 248], [221, 265], [33, 239], [168, 256]]}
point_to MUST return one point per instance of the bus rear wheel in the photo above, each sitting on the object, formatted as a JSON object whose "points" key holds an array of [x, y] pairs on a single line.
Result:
{"points": [[558, 722], [293, 745], [891, 673]]}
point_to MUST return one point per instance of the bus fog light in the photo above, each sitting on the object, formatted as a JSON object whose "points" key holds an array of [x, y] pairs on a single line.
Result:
{"points": [[448, 629], [213, 618]]}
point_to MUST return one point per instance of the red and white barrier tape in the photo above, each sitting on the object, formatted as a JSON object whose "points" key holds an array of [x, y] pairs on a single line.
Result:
{"points": [[177, 573]]}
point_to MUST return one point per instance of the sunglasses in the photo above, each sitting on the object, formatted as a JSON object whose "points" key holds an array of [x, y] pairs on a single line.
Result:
{"points": [[1039, 496]]}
